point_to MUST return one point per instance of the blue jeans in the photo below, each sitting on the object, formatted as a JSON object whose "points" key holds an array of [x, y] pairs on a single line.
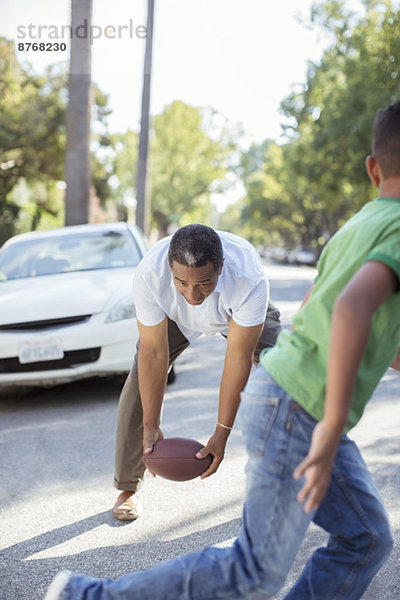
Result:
{"points": [[277, 433]]}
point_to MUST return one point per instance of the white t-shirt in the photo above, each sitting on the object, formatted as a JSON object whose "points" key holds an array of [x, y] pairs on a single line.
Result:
{"points": [[241, 293]]}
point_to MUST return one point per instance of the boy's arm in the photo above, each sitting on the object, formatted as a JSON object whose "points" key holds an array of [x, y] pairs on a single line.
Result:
{"points": [[305, 300], [307, 296], [396, 363], [350, 327]]}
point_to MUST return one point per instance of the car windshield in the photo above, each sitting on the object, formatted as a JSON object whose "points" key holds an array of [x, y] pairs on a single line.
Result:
{"points": [[68, 253]]}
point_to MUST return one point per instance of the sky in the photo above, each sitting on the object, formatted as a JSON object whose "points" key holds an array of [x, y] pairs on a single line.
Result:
{"points": [[241, 57]]}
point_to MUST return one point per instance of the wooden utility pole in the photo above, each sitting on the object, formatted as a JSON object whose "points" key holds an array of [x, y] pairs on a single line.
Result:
{"points": [[142, 180], [77, 160]]}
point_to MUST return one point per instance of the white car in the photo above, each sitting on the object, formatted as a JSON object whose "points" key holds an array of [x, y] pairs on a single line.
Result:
{"points": [[66, 307]]}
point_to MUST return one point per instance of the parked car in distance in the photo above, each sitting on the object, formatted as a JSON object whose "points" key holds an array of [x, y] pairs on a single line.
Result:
{"points": [[303, 255], [66, 306], [278, 254]]}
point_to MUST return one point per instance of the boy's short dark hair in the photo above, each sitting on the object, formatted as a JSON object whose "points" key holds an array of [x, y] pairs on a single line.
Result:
{"points": [[195, 246], [386, 140]]}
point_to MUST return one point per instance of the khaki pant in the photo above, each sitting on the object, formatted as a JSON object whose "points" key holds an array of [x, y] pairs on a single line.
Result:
{"points": [[129, 467]]}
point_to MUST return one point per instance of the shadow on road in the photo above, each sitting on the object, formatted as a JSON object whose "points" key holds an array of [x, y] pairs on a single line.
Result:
{"points": [[110, 561]]}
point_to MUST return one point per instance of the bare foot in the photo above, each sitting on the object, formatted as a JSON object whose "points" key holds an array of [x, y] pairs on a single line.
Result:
{"points": [[125, 508]]}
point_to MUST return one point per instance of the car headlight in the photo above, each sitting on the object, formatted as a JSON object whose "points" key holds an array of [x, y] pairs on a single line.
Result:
{"points": [[124, 309]]}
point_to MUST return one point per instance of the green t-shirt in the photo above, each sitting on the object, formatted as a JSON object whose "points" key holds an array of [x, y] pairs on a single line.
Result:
{"points": [[298, 362]]}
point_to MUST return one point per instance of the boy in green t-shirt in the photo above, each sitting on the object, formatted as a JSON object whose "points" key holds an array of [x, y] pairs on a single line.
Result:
{"points": [[302, 466]]}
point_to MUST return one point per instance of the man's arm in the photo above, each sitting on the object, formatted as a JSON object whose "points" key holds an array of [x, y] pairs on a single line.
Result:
{"points": [[352, 312], [241, 344], [153, 358]]}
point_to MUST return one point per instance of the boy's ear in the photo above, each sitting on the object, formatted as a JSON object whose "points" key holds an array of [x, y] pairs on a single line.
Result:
{"points": [[373, 170]]}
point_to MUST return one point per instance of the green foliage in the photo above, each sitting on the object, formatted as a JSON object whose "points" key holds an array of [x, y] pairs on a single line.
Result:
{"points": [[32, 134], [358, 75], [318, 181], [190, 152], [186, 165], [101, 145], [123, 166], [32, 145], [40, 204], [125, 160]]}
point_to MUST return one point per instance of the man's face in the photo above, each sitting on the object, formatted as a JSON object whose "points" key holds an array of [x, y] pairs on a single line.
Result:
{"points": [[195, 283]]}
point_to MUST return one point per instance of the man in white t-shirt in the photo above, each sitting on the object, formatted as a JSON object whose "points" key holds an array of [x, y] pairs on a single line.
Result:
{"points": [[198, 282]]}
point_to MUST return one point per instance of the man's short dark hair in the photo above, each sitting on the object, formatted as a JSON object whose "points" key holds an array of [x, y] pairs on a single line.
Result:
{"points": [[386, 141], [195, 246]]}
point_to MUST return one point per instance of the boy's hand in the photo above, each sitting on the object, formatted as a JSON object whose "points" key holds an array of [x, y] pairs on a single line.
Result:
{"points": [[317, 467]]}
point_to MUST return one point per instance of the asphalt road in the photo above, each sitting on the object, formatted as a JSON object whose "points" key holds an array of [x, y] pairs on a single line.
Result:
{"points": [[56, 468]]}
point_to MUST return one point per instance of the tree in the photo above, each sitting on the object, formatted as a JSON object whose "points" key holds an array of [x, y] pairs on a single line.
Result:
{"points": [[317, 180], [358, 74], [32, 145], [192, 150], [187, 165], [124, 161], [268, 214], [77, 162], [101, 148], [32, 134]]}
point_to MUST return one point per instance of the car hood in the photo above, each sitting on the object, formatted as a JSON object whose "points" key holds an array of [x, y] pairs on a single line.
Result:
{"points": [[63, 295]]}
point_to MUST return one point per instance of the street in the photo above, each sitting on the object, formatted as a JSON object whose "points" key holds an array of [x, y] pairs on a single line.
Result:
{"points": [[56, 467]]}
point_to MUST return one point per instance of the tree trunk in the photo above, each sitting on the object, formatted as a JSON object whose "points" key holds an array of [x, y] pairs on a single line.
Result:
{"points": [[142, 179], [77, 164]]}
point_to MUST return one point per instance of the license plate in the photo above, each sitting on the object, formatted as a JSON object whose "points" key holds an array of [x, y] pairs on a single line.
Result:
{"points": [[41, 350]]}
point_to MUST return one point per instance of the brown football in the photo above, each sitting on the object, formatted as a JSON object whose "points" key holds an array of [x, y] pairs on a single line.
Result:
{"points": [[175, 459]]}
